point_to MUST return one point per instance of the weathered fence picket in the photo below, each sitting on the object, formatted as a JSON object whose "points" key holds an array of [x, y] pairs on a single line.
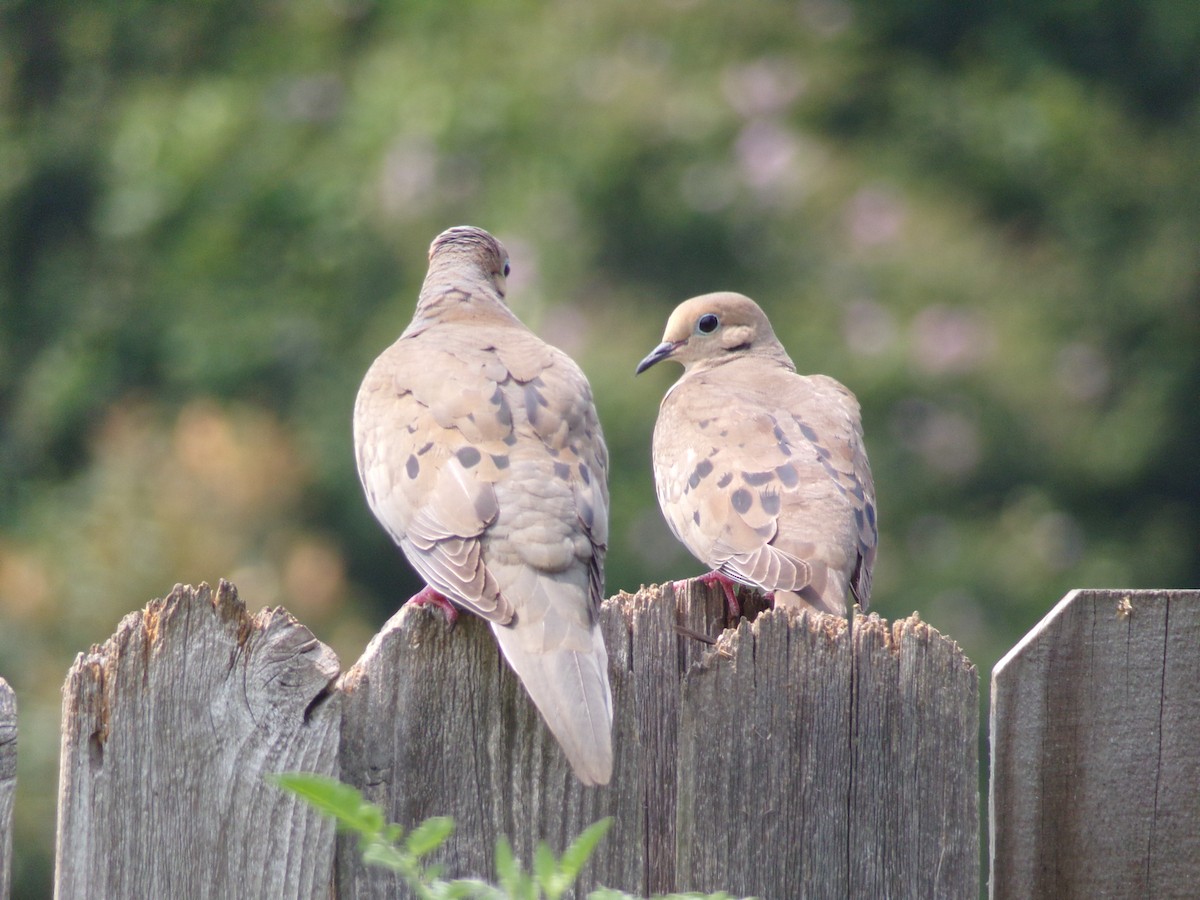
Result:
{"points": [[435, 724], [168, 730], [916, 720], [849, 756], [1096, 750], [8, 780]]}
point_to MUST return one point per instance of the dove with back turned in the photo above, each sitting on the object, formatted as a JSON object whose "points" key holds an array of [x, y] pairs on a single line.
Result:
{"points": [[761, 472], [480, 452]]}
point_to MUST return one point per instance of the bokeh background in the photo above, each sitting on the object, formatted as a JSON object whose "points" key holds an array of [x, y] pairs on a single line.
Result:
{"points": [[983, 218]]}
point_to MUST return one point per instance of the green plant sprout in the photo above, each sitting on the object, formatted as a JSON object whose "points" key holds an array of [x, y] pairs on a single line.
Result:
{"points": [[386, 844]]}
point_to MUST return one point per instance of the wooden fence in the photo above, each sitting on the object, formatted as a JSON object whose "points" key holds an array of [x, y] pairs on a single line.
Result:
{"points": [[1096, 750], [8, 779], [791, 758]]}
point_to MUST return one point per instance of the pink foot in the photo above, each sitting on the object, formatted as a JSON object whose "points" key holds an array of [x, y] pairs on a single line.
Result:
{"points": [[429, 597], [732, 607]]}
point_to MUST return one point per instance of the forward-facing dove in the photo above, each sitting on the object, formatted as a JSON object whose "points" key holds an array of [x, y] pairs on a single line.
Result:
{"points": [[480, 452], [761, 472]]}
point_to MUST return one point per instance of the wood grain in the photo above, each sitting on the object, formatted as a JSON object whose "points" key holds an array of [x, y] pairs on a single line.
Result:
{"points": [[816, 762], [8, 780], [169, 728], [742, 757], [1096, 750], [765, 767], [914, 805], [786, 757], [435, 723]]}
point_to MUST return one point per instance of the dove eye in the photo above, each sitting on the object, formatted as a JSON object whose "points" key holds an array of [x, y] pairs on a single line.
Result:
{"points": [[507, 268], [708, 324]]}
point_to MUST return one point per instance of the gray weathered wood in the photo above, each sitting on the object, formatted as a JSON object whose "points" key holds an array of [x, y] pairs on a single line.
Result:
{"points": [[765, 763], [1096, 750], [914, 809], [168, 730], [8, 780], [816, 763], [736, 768], [436, 724]]}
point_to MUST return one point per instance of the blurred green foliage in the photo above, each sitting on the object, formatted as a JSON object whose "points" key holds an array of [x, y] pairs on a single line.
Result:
{"points": [[983, 218]]}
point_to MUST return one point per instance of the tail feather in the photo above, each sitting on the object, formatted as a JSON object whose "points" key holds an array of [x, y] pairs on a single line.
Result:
{"points": [[566, 679]]}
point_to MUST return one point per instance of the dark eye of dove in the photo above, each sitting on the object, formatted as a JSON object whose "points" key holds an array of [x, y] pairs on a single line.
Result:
{"points": [[708, 323]]}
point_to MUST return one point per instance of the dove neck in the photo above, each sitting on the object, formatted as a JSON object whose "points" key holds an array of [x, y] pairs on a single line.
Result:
{"points": [[450, 299], [757, 354]]}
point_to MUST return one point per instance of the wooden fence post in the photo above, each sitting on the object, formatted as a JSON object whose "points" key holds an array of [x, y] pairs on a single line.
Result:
{"points": [[168, 730], [792, 760], [766, 761], [817, 763], [1096, 750], [8, 781], [915, 807], [435, 723]]}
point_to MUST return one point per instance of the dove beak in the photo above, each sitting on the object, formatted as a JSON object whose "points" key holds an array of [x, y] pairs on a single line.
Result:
{"points": [[658, 354]]}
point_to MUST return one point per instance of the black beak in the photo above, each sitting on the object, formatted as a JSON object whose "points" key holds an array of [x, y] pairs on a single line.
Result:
{"points": [[658, 354]]}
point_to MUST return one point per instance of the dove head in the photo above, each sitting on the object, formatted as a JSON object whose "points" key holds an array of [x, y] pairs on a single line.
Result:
{"points": [[465, 264], [715, 328], [465, 247]]}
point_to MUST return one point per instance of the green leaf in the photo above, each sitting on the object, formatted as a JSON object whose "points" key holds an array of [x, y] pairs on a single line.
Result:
{"points": [[517, 884], [438, 890], [379, 854], [330, 796], [471, 887], [545, 868], [612, 894], [575, 857], [378, 845], [369, 818], [507, 869], [429, 835]]}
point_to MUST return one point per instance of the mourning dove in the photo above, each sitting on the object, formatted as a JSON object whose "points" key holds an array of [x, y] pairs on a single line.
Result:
{"points": [[480, 452], [760, 472]]}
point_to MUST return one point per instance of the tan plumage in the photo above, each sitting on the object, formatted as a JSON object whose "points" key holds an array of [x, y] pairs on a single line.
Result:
{"points": [[761, 472], [479, 450]]}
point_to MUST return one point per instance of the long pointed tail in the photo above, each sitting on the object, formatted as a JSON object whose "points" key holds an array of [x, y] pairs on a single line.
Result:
{"points": [[570, 688]]}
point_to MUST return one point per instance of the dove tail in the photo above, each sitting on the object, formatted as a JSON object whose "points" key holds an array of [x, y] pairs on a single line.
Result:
{"points": [[570, 688]]}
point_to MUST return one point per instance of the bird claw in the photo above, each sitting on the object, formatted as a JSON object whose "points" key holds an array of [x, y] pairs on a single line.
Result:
{"points": [[429, 597], [733, 609]]}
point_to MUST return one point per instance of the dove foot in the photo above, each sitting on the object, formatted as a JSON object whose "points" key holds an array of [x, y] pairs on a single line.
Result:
{"points": [[429, 597], [727, 585]]}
